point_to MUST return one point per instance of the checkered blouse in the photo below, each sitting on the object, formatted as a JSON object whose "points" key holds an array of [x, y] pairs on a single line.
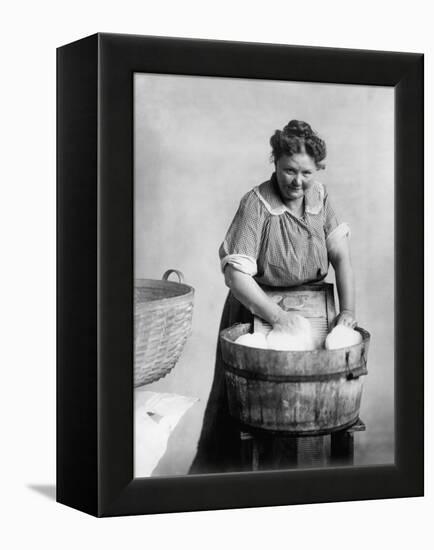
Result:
{"points": [[276, 247]]}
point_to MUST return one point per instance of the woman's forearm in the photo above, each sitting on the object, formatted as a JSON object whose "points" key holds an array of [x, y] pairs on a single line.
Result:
{"points": [[345, 285], [247, 291]]}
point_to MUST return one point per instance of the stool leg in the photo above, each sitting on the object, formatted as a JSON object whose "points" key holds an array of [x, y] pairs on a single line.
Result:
{"points": [[247, 445], [255, 456], [342, 447]]}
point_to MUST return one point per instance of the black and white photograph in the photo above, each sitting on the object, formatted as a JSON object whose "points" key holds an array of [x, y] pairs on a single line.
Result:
{"points": [[217, 275], [264, 275]]}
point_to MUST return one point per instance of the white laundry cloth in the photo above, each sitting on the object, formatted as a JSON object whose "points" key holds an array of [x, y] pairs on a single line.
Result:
{"points": [[299, 339], [255, 340], [155, 417], [342, 337]]}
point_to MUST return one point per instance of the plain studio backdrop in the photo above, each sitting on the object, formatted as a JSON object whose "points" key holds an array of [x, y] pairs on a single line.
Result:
{"points": [[200, 144]]}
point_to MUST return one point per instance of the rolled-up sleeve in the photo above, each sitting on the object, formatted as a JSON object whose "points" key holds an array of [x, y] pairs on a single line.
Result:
{"points": [[242, 243]]}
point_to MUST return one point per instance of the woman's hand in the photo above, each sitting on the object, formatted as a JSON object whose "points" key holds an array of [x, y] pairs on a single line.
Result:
{"points": [[345, 318], [247, 291], [288, 321]]}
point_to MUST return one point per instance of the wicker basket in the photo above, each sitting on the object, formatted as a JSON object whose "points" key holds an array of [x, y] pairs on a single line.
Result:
{"points": [[163, 313]]}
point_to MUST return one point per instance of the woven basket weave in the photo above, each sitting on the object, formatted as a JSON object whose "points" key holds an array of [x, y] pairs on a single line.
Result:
{"points": [[163, 313]]}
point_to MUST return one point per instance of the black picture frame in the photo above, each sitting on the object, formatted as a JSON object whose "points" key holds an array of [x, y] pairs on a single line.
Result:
{"points": [[95, 274]]}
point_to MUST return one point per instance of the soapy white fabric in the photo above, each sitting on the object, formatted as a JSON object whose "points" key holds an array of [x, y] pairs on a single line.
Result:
{"points": [[342, 337], [255, 340], [299, 340]]}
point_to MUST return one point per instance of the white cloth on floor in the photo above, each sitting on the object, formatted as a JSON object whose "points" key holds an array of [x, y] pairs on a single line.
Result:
{"points": [[155, 417]]}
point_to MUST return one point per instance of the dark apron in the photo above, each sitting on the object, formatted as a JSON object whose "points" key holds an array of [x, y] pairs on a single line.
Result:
{"points": [[219, 443]]}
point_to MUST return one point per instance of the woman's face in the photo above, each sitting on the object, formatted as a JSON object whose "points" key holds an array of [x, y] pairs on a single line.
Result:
{"points": [[295, 175]]}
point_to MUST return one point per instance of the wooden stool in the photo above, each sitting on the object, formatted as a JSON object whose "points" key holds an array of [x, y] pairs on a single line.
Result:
{"points": [[262, 451]]}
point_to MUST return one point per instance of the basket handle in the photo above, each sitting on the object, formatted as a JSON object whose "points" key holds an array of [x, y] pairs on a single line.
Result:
{"points": [[170, 271]]}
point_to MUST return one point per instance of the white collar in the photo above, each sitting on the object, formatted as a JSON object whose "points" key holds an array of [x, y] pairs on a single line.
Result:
{"points": [[314, 199]]}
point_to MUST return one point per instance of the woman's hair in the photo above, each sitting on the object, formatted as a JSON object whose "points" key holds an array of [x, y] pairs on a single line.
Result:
{"points": [[298, 137]]}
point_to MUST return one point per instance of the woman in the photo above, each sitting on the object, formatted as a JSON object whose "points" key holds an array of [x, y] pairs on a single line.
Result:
{"points": [[284, 234]]}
